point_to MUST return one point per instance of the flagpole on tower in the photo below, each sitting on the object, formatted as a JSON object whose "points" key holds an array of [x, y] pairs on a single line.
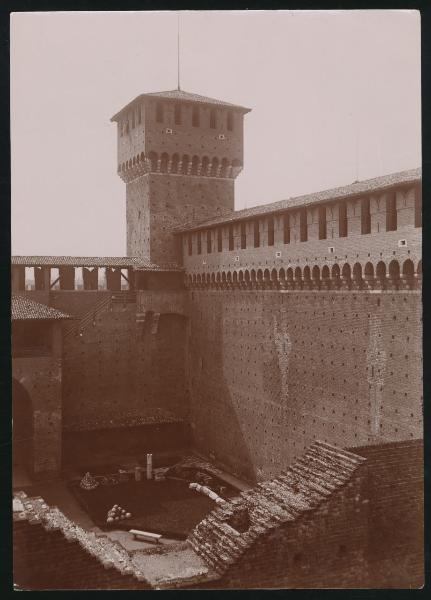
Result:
{"points": [[178, 49]]}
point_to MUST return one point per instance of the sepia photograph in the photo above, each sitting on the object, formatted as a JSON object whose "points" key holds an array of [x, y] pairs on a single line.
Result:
{"points": [[216, 300]]}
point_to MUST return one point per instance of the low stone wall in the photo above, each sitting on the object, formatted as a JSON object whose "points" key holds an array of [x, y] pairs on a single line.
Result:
{"points": [[396, 514], [51, 552]]}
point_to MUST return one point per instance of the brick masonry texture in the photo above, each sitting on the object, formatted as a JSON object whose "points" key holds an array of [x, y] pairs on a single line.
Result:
{"points": [[327, 521], [270, 372], [367, 533], [263, 354], [41, 378], [396, 514], [118, 365], [158, 202], [51, 552], [377, 246]]}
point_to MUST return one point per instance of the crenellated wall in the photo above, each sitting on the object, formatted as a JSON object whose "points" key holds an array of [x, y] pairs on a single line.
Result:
{"points": [[237, 255]]}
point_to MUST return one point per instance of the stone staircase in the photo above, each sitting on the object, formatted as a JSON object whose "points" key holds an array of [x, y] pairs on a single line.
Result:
{"points": [[115, 298], [310, 481]]}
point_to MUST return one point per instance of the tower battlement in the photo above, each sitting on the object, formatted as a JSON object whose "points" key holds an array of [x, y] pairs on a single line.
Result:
{"points": [[197, 139]]}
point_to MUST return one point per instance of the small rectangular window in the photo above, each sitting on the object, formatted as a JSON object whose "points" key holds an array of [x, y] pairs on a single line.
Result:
{"points": [[209, 245], [391, 212], [213, 119], [199, 243], [322, 222], [177, 116], [231, 242], [342, 220], [195, 116], [190, 243], [139, 115], [418, 207], [365, 216], [303, 227], [243, 236], [286, 228], [256, 233], [159, 112], [219, 239], [230, 121], [270, 231]]}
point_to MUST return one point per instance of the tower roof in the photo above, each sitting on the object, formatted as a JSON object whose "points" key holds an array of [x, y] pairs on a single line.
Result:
{"points": [[182, 96]]}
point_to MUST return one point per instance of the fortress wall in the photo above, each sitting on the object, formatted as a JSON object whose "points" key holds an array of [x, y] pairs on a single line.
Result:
{"points": [[41, 378], [373, 247], [272, 371], [98, 368], [75, 303], [116, 373]]}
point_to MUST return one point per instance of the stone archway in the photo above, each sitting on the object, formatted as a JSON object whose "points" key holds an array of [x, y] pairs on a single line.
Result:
{"points": [[22, 427]]}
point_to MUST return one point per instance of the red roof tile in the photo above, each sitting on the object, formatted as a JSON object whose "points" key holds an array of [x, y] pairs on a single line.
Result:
{"points": [[25, 309]]}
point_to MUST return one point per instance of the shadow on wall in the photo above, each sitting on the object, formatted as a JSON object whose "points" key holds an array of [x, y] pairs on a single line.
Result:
{"points": [[215, 405], [22, 436], [164, 363], [89, 449]]}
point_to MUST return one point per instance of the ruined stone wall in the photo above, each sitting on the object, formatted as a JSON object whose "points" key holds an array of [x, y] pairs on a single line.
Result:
{"points": [[396, 514], [325, 548], [41, 378], [46, 560], [272, 371], [51, 552], [367, 534]]}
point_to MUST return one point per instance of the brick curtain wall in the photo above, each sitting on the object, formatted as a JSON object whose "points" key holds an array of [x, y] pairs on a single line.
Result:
{"points": [[271, 372]]}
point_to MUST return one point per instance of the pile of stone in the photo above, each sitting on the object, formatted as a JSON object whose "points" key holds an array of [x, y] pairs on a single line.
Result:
{"points": [[88, 482], [117, 514]]}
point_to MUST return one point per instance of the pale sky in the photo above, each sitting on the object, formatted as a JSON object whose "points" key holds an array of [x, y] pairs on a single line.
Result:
{"points": [[335, 97]]}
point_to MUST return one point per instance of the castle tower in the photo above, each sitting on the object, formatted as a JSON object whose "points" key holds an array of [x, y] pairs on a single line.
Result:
{"points": [[179, 155]]}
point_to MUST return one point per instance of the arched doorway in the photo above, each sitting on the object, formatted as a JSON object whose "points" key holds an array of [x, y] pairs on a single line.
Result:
{"points": [[22, 427]]}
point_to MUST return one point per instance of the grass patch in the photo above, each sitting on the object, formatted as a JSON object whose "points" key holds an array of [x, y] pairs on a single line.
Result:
{"points": [[167, 507]]}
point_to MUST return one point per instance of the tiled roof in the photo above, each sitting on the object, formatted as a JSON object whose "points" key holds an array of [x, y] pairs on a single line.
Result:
{"points": [[355, 189], [183, 97], [91, 261], [143, 266], [303, 486], [23, 309]]}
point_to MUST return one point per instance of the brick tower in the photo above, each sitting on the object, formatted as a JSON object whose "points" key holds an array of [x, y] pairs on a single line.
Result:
{"points": [[179, 154]]}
